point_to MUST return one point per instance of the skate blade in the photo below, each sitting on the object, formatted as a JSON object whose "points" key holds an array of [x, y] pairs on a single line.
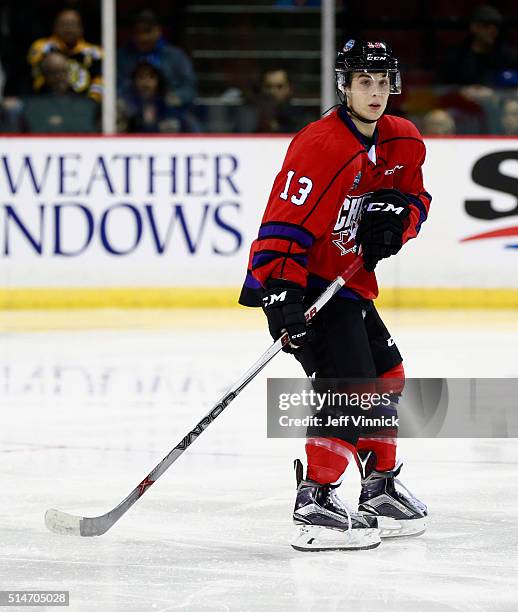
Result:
{"points": [[319, 539], [394, 528]]}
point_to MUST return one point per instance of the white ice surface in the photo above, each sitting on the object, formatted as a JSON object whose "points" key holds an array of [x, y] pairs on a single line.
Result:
{"points": [[86, 414]]}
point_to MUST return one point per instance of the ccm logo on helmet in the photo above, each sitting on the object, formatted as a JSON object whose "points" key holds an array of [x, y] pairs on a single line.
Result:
{"points": [[385, 207]]}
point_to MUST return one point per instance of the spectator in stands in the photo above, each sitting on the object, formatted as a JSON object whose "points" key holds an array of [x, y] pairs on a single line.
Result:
{"points": [[483, 55], [438, 122], [148, 45], [54, 70], [509, 116], [145, 108], [275, 109], [56, 108], [84, 60]]}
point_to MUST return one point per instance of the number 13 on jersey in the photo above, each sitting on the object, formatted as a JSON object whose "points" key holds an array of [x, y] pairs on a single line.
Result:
{"points": [[306, 185]]}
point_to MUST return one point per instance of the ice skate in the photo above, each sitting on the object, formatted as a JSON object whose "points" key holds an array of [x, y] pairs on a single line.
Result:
{"points": [[325, 523], [383, 496]]}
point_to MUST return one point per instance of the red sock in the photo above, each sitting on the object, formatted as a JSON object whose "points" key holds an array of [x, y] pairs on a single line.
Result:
{"points": [[327, 458], [385, 449], [384, 444]]}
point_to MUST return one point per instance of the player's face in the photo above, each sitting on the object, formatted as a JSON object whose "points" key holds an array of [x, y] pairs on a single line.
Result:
{"points": [[368, 93]]}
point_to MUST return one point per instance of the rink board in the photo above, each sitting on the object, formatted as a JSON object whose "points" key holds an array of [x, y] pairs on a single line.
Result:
{"points": [[168, 221]]}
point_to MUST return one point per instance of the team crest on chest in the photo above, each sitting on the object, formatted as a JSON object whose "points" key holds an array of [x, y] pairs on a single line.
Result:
{"points": [[346, 226]]}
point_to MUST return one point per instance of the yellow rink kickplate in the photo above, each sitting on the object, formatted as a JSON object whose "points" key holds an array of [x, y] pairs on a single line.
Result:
{"points": [[210, 297]]}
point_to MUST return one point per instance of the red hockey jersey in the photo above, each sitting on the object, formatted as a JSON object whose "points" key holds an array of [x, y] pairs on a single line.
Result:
{"points": [[308, 230]]}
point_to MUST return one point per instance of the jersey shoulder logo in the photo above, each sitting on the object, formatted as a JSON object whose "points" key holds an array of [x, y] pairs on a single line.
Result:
{"points": [[393, 170]]}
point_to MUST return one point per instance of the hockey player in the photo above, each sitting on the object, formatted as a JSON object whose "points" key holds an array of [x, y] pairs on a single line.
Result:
{"points": [[350, 180]]}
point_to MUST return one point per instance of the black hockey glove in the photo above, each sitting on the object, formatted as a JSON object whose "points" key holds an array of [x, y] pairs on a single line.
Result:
{"points": [[283, 306], [381, 227]]}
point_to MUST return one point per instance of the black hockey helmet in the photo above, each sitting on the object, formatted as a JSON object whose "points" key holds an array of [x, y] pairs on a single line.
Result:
{"points": [[366, 56]]}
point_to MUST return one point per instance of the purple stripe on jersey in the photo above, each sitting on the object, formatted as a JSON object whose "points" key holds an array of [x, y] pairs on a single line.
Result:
{"points": [[345, 292], [423, 215], [315, 282], [260, 259], [251, 282], [291, 232]]}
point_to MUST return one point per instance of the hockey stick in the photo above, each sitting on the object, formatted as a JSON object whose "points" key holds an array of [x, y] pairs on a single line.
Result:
{"points": [[69, 524]]}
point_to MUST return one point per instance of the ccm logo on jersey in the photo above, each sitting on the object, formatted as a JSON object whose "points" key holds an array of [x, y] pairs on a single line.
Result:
{"points": [[274, 297], [385, 207]]}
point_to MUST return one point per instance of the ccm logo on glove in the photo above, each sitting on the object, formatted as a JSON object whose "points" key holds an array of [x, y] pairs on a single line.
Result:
{"points": [[283, 304], [382, 224], [386, 207], [270, 299]]}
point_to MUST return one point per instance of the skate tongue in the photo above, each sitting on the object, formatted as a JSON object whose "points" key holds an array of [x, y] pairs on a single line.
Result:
{"points": [[299, 470], [397, 468], [393, 472], [375, 475]]}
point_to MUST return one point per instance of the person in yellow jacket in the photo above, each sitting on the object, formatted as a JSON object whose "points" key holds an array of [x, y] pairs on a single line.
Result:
{"points": [[84, 58]]}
